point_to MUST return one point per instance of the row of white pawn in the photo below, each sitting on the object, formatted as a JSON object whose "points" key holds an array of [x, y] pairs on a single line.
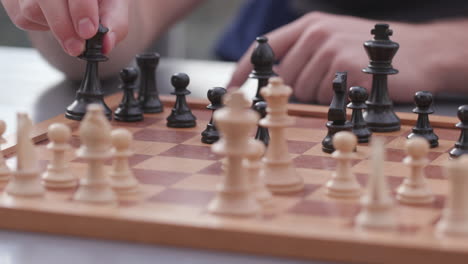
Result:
{"points": [[98, 144]]}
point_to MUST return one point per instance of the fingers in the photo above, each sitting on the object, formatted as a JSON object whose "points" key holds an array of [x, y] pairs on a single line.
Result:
{"points": [[32, 11], [59, 21], [307, 85], [115, 16], [13, 10], [85, 17], [302, 54], [280, 41]]}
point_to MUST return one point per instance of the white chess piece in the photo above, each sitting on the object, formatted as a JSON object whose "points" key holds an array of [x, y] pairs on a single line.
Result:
{"points": [[254, 166], [5, 172], [343, 183], [95, 135], [122, 178], [414, 189], [26, 180], [377, 205], [454, 221], [236, 121], [280, 175], [58, 175]]}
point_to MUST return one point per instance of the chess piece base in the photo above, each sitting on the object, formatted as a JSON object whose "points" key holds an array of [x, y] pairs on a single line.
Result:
{"points": [[343, 189], [210, 135], [181, 120], [381, 121], [77, 110], [97, 192], [281, 177], [128, 114], [452, 227], [151, 105], [408, 195], [25, 184], [376, 218], [234, 203], [429, 135], [55, 179]]}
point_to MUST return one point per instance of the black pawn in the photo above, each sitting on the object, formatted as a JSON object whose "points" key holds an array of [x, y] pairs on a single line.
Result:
{"points": [[129, 109], [262, 132], [423, 101], [148, 92], [337, 112], [262, 59], [90, 91], [461, 146], [181, 115], [215, 95], [380, 116], [358, 96]]}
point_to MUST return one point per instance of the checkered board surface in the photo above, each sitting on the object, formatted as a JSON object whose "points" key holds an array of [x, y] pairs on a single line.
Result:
{"points": [[178, 176]]}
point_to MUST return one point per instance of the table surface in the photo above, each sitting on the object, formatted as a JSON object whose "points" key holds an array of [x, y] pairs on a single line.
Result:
{"points": [[31, 85]]}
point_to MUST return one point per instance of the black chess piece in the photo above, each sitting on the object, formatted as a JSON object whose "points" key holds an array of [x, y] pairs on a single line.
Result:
{"points": [[423, 101], [380, 116], [358, 96], [337, 112], [90, 91], [215, 95], [461, 146], [262, 59], [148, 95], [262, 132], [129, 109], [181, 115]]}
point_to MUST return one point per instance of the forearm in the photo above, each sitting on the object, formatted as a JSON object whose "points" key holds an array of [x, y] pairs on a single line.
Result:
{"points": [[148, 20]]}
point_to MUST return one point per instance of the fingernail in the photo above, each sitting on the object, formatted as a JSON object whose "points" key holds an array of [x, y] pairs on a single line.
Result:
{"points": [[74, 46], [86, 28]]}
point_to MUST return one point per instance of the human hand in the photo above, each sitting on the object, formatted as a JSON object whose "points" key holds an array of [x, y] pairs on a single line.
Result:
{"points": [[314, 47], [72, 21]]}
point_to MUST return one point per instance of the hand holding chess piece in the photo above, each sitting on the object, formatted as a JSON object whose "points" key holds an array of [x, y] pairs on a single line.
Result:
{"points": [[58, 174]]}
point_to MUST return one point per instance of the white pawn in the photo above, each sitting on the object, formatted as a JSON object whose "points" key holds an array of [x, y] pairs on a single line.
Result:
{"points": [[236, 122], [254, 166], [280, 174], [5, 172], [95, 135], [454, 221], [377, 205], [26, 180], [122, 178], [343, 183], [58, 174], [414, 189]]}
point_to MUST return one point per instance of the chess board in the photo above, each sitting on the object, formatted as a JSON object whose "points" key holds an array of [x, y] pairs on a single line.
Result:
{"points": [[179, 174]]}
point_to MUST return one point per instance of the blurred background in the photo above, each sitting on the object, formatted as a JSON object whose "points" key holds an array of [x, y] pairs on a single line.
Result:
{"points": [[193, 37]]}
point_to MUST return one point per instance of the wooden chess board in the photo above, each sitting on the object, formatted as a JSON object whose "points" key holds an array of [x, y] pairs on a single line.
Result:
{"points": [[179, 174]]}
